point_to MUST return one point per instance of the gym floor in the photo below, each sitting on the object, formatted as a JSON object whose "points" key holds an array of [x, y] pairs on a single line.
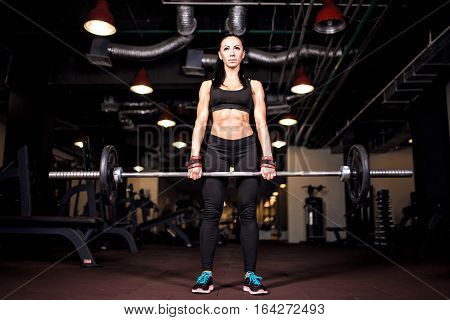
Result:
{"points": [[290, 271]]}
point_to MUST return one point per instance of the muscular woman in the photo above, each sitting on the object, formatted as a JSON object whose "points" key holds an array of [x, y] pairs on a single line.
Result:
{"points": [[231, 97]]}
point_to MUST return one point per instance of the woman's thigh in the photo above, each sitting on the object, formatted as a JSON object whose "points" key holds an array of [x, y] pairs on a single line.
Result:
{"points": [[215, 160], [247, 160]]}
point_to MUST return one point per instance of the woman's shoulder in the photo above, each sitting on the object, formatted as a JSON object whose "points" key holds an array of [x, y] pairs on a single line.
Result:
{"points": [[254, 83], [206, 85], [207, 82], [205, 88]]}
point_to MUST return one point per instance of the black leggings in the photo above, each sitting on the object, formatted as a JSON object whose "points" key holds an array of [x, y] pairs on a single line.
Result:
{"points": [[243, 155]]}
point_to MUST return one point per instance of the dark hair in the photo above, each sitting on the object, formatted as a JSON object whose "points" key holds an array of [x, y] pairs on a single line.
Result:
{"points": [[219, 71]]}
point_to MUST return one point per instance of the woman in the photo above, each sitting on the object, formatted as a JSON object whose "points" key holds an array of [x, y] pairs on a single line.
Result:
{"points": [[231, 97]]}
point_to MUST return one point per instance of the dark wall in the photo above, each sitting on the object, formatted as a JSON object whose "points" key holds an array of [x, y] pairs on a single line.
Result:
{"points": [[30, 123], [431, 147]]}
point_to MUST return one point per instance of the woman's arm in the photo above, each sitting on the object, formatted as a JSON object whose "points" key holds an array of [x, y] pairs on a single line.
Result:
{"points": [[260, 117], [202, 118]]}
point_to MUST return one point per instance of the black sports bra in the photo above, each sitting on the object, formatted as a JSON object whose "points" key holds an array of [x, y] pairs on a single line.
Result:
{"points": [[231, 99]]}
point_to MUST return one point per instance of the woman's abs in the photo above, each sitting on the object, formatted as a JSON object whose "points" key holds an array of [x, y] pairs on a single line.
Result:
{"points": [[231, 124]]}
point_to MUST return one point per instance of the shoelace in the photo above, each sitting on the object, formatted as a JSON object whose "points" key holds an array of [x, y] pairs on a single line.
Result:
{"points": [[254, 279], [203, 278]]}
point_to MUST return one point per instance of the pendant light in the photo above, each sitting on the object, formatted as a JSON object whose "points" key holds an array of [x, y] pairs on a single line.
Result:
{"points": [[100, 20]]}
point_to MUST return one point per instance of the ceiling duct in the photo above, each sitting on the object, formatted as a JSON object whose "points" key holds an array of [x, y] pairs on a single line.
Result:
{"points": [[278, 58], [102, 49], [194, 62], [99, 52], [148, 53], [128, 116], [305, 52], [235, 23], [109, 104], [186, 23], [128, 110]]}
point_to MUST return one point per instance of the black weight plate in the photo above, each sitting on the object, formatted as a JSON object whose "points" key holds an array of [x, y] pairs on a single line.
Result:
{"points": [[108, 162], [359, 182]]}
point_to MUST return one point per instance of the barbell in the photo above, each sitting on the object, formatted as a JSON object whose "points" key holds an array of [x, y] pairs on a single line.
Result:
{"points": [[355, 173]]}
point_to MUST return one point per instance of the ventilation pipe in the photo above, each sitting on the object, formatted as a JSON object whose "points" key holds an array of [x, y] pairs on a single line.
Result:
{"points": [[186, 25], [235, 23], [148, 53], [278, 58]]}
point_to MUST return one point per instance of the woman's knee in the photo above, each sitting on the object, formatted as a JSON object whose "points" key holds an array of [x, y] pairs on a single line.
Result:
{"points": [[212, 213], [247, 211]]}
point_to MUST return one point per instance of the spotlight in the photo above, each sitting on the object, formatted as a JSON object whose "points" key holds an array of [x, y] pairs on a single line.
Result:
{"points": [[179, 144], [302, 83], [278, 144], [288, 120], [100, 20], [79, 142], [166, 120], [329, 19], [179, 141], [141, 83]]}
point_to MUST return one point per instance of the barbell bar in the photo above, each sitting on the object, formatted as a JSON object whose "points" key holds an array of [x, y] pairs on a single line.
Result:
{"points": [[355, 174], [340, 173], [120, 175]]}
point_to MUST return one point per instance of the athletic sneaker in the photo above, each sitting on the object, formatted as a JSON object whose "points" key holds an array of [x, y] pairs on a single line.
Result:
{"points": [[204, 283], [253, 285]]}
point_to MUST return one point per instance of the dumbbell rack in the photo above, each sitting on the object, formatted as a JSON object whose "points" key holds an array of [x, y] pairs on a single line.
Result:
{"points": [[384, 222]]}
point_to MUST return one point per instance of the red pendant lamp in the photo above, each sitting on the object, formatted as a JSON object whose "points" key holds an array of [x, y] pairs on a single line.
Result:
{"points": [[100, 20], [141, 83], [166, 120], [288, 119], [329, 19], [302, 83], [277, 138], [80, 140], [180, 141]]}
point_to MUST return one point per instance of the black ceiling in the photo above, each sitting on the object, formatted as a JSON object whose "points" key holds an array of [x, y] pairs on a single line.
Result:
{"points": [[50, 34]]}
